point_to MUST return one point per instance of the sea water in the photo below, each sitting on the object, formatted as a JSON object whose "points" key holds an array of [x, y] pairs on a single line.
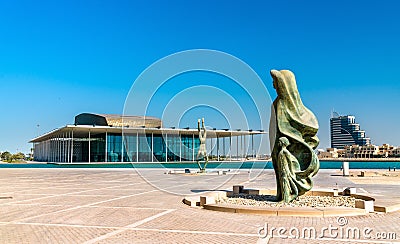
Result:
{"points": [[210, 165]]}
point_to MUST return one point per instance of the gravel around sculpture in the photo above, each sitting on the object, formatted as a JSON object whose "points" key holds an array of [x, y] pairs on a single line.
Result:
{"points": [[301, 201]]}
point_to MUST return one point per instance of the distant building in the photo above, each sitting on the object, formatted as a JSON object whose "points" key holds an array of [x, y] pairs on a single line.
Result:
{"points": [[120, 138], [346, 132], [386, 150], [395, 153], [366, 151], [370, 151], [329, 153], [361, 151]]}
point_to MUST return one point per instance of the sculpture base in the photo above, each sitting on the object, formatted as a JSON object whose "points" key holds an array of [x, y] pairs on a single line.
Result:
{"points": [[202, 168], [322, 203], [199, 173]]}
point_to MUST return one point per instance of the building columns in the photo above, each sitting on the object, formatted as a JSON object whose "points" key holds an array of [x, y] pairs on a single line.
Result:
{"points": [[69, 147], [137, 146], [59, 148], [72, 145], [106, 149], [180, 148], [152, 147], [217, 148], [122, 147], [230, 147], [237, 147], [89, 147], [193, 147], [252, 146], [243, 141], [223, 145], [166, 147]]}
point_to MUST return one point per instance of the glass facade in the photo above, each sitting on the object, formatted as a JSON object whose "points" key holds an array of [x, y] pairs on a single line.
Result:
{"points": [[144, 148], [120, 138], [97, 148], [114, 148], [345, 132]]}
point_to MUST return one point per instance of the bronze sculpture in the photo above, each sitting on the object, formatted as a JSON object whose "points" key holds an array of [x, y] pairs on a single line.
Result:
{"points": [[293, 130], [202, 153]]}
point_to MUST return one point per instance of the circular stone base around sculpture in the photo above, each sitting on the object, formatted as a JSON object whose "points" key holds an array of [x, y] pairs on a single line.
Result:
{"points": [[315, 203]]}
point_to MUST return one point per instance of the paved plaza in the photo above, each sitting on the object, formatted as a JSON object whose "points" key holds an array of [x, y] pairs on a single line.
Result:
{"points": [[125, 206]]}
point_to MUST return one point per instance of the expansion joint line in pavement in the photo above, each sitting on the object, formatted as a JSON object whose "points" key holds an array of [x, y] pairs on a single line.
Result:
{"points": [[90, 204], [70, 193], [140, 222], [82, 206]]}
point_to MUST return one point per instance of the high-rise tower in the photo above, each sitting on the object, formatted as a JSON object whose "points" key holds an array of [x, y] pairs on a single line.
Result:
{"points": [[345, 131]]}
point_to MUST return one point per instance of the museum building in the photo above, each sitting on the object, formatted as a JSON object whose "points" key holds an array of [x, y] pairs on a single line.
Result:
{"points": [[120, 138]]}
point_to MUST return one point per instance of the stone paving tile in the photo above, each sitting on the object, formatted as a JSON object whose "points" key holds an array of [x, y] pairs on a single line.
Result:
{"points": [[68, 185], [87, 198], [112, 192], [86, 216], [143, 236], [236, 223], [68, 200], [20, 234], [15, 212], [131, 186], [300, 241], [51, 190], [11, 189], [15, 198], [188, 220], [147, 199]]}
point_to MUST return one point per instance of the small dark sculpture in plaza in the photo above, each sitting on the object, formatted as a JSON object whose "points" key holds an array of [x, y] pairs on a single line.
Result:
{"points": [[202, 153], [293, 130]]}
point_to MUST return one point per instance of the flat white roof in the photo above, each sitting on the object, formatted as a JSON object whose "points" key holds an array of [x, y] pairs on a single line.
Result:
{"points": [[82, 130]]}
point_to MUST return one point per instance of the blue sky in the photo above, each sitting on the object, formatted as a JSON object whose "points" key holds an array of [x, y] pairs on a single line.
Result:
{"points": [[61, 58]]}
